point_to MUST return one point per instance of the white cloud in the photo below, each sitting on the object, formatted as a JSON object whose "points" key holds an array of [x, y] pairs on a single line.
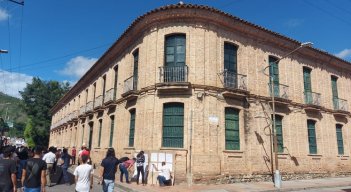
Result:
{"points": [[344, 53], [3, 14], [292, 23], [12, 83], [76, 67]]}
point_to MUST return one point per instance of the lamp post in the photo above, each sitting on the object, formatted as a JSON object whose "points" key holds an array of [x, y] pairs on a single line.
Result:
{"points": [[277, 176]]}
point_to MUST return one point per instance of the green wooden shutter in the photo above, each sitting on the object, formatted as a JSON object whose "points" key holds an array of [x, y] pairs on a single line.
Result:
{"points": [[335, 92], [135, 69], [312, 143], [274, 72], [232, 137], [83, 133], [100, 129], [173, 125], [115, 83], [307, 85], [279, 129], [339, 139], [111, 130], [175, 46], [132, 128], [230, 65]]}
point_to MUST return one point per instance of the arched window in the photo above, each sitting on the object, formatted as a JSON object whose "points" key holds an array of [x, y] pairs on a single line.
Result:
{"points": [[100, 129], [232, 136], [131, 128], [312, 142], [112, 125], [173, 125], [135, 69], [339, 139]]}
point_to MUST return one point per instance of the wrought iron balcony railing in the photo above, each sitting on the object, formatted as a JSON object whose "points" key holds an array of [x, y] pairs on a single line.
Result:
{"points": [[98, 101], [90, 106], [312, 98], [130, 84], [110, 95], [279, 90], [82, 110], [234, 80], [176, 74], [340, 104]]}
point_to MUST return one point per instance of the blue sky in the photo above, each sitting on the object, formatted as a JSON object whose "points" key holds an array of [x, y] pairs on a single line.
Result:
{"points": [[60, 40]]}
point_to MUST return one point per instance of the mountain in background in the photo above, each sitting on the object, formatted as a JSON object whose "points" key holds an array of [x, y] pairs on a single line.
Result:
{"points": [[11, 111]]}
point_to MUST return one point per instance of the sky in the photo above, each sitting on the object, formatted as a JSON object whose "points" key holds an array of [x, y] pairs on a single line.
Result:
{"points": [[60, 40]]}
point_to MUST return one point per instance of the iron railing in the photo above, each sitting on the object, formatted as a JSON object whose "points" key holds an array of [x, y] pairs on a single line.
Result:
{"points": [[98, 101], [130, 84], [90, 106], [233, 80], [82, 110], [312, 98], [340, 104], [279, 90], [110, 95], [176, 74]]}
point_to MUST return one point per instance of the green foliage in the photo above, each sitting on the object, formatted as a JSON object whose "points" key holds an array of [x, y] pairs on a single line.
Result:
{"points": [[28, 133], [38, 98]]}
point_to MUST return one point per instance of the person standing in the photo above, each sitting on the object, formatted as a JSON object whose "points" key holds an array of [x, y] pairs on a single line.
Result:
{"points": [[124, 168], [74, 153], [66, 160], [140, 160], [84, 176], [33, 173], [164, 175], [8, 180], [22, 154], [108, 171], [50, 159]]}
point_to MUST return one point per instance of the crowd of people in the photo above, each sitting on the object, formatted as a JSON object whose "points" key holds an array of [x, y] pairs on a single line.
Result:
{"points": [[34, 169]]}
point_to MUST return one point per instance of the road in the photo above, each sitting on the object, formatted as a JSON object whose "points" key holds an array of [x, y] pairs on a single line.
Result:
{"points": [[69, 188], [332, 189]]}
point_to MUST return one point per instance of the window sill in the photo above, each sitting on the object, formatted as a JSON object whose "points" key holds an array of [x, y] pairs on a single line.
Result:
{"points": [[343, 156], [315, 155], [129, 148], [173, 149], [283, 154], [233, 151], [97, 148]]}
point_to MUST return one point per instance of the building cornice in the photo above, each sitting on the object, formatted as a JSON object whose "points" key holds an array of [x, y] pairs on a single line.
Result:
{"points": [[190, 13]]}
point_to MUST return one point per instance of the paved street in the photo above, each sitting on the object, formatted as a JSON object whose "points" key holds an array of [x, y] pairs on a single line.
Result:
{"points": [[70, 188], [332, 189]]}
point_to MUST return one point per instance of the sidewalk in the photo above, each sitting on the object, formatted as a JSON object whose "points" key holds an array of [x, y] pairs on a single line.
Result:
{"points": [[295, 185]]}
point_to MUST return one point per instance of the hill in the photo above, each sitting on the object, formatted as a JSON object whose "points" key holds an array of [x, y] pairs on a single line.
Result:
{"points": [[10, 110]]}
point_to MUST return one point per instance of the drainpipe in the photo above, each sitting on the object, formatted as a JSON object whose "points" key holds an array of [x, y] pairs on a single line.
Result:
{"points": [[189, 169]]}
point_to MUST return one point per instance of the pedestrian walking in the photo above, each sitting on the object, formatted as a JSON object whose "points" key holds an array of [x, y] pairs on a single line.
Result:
{"points": [[109, 168], [84, 176], [22, 153], [124, 168], [33, 175], [73, 154], [50, 159], [8, 180], [66, 160], [140, 161]]}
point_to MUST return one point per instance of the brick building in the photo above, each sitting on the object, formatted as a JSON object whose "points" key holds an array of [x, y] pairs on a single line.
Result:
{"points": [[190, 80]]}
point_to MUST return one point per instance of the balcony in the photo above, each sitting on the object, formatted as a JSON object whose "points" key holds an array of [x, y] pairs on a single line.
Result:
{"points": [[98, 102], [90, 107], [340, 106], [173, 78], [130, 88], [281, 93], [235, 84], [82, 110], [110, 96], [312, 101]]}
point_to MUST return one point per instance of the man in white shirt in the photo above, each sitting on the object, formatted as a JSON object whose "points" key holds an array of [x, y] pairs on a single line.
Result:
{"points": [[84, 175], [164, 175], [50, 159]]}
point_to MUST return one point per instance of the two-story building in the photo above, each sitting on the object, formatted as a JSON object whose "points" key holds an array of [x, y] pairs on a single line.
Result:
{"points": [[194, 81]]}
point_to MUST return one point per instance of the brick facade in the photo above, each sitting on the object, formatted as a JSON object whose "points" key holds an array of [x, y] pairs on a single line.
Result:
{"points": [[205, 98]]}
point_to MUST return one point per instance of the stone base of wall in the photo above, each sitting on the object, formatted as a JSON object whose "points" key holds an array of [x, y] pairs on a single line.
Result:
{"points": [[227, 179]]}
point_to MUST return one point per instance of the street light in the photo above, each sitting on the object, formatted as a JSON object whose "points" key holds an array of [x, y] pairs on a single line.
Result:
{"points": [[277, 176]]}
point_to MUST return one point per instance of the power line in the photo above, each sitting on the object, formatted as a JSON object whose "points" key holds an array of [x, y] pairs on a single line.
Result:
{"points": [[338, 7]]}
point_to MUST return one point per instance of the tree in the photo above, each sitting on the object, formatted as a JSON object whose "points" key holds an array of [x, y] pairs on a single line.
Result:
{"points": [[38, 98]]}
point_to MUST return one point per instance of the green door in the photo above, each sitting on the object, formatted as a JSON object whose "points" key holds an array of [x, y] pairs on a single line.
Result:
{"points": [[91, 125], [174, 70], [312, 143], [100, 129], [274, 72], [339, 139], [135, 69], [173, 125], [335, 92], [132, 128], [279, 129], [232, 137], [230, 65], [307, 85], [112, 125]]}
